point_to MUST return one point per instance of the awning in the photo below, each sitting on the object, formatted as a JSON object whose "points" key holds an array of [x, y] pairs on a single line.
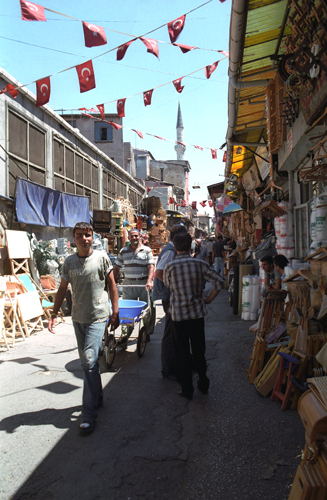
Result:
{"points": [[42, 206], [232, 207]]}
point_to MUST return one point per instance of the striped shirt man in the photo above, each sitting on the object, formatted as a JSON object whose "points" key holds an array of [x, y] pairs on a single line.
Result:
{"points": [[185, 277], [135, 263]]}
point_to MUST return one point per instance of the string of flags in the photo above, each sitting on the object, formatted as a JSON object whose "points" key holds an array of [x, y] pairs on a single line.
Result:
{"points": [[95, 36], [117, 126]]}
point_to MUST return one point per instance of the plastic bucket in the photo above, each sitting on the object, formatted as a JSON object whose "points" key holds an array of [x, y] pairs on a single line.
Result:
{"points": [[130, 309]]}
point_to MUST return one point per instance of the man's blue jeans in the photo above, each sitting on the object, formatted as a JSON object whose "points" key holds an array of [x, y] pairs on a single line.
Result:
{"points": [[219, 266], [89, 342]]}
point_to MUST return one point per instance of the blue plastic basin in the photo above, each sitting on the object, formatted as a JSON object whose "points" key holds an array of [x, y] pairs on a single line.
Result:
{"points": [[130, 309]]}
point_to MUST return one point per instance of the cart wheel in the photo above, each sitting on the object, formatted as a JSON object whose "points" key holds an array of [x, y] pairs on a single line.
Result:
{"points": [[141, 342], [109, 350]]}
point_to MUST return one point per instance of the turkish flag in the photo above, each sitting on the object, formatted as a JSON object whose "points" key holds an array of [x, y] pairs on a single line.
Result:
{"points": [[86, 76], [198, 147], [158, 137], [175, 28], [10, 89], [138, 133], [210, 69], [225, 156], [184, 48], [214, 154], [115, 125], [202, 204], [176, 205], [91, 110], [121, 51], [171, 200], [193, 205], [148, 189], [224, 52], [147, 96], [121, 108], [210, 203], [32, 11], [177, 84], [182, 143], [151, 45], [42, 91], [94, 35], [90, 116], [101, 109], [183, 203]]}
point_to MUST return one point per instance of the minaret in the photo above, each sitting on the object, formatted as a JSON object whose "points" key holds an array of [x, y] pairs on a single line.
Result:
{"points": [[179, 148]]}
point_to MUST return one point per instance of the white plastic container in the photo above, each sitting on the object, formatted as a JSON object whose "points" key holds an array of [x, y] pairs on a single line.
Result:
{"points": [[321, 224]]}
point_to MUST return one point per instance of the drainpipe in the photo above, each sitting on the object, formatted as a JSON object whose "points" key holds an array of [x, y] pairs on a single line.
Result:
{"points": [[237, 29]]}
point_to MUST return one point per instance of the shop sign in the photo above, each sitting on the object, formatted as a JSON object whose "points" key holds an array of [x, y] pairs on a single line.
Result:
{"points": [[263, 166], [250, 179], [313, 103]]}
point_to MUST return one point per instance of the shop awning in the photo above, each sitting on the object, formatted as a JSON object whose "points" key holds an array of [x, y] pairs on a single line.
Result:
{"points": [[232, 207], [42, 206]]}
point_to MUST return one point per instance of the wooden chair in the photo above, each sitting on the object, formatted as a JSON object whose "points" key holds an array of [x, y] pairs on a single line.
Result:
{"points": [[3, 338], [292, 365], [13, 325], [31, 286]]}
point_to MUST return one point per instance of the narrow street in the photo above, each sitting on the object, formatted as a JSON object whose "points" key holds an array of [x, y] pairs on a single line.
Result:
{"points": [[149, 443]]}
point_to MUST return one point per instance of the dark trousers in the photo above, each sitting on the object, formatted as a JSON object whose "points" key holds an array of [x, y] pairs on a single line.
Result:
{"points": [[185, 333], [168, 350]]}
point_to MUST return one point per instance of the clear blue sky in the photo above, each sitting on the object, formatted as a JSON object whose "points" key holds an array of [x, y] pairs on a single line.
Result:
{"points": [[203, 102]]}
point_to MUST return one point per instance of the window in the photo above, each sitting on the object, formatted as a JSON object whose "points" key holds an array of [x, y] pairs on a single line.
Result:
{"points": [[161, 174], [75, 174], [26, 151], [102, 131]]}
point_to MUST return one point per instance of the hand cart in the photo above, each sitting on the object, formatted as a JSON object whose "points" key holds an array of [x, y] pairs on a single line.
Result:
{"points": [[131, 312]]}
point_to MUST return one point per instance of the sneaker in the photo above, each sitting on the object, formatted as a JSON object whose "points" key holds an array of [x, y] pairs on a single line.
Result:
{"points": [[86, 427]]}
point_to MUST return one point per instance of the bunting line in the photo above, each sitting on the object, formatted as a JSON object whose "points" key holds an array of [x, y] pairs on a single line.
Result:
{"points": [[117, 126]]}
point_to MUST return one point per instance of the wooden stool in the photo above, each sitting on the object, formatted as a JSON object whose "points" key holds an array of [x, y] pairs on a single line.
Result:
{"points": [[292, 368]]}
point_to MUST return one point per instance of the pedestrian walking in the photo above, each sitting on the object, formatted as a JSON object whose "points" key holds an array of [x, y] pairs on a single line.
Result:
{"points": [[138, 262], [90, 273], [219, 253], [160, 292], [184, 276]]}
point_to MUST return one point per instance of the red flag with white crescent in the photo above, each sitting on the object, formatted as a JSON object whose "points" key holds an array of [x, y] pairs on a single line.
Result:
{"points": [[210, 69], [101, 109], [86, 76], [178, 84], [94, 35], [147, 97], [90, 116], [158, 137], [32, 11], [198, 147], [121, 51], [224, 52], [193, 205], [42, 91], [202, 204], [151, 45], [183, 203], [175, 28], [184, 48], [90, 110], [138, 133], [225, 156], [115, 125], [121, 108], [171, 200], [182, 143], [214, 154], [210, 203], [10, 89]]}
